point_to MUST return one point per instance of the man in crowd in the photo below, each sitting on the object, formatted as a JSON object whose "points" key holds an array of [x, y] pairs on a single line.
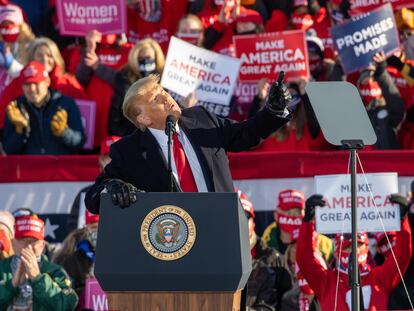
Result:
{"points": [[43, 121], [288, 219], [28, 280], [200, 144], [376, 282]]}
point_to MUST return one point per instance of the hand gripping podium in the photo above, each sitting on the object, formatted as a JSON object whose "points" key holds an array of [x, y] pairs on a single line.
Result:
{"points": [[173, 251]]}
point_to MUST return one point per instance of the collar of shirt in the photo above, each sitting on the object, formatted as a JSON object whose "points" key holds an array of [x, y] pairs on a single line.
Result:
{"points": [[160, 136]]}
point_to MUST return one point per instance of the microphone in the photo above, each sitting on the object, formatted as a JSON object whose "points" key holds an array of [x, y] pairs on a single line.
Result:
{"points": [[170, 125]]}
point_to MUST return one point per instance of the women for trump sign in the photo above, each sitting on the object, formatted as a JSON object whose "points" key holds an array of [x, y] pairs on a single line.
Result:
{"points": [[373, 204], [78, 17]]}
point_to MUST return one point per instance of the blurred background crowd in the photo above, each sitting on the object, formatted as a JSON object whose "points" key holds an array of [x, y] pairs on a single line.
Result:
{"points": [[294, 268]]}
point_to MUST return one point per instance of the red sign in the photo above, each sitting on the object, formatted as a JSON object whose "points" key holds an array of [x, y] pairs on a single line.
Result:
{"points": [[265, 55], [363, 6]]}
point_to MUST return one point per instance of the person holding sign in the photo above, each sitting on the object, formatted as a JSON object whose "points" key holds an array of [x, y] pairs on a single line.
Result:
{"points": [[382, 101], [376, 282], [200, 144]]}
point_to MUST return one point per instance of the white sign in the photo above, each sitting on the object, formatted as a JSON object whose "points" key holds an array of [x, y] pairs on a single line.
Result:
{"points": [[336, 189], [210, 75]]}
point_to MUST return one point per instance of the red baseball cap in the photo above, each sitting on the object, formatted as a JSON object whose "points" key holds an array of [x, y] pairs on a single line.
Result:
{"points": [[278, 21], [107, 142], [291, 198], [249, 16], [362, 237], [297, 3], [90, 218], [29, 226], [11, 13], [33, 72]]}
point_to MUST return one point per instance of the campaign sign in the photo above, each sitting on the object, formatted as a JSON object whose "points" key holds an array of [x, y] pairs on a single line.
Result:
{"points": [[87, 110], [78, 17], [265, 55], [210, 75], [358, 40], [371, 195], [95, 297], [363, 6]]}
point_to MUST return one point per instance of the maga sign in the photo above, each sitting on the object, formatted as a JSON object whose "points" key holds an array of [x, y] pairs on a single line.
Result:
{"points": [[363, 6], [336, 189], [265, 55], [189, 68], [358, 40], [78, 17]]}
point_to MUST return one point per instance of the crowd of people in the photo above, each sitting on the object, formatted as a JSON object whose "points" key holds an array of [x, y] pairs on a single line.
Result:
{"points": [[43, 73]]}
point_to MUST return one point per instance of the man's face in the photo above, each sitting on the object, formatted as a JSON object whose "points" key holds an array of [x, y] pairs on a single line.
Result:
{"points": [[36, 93], [20, 244], [296, 212], [155, 106]]}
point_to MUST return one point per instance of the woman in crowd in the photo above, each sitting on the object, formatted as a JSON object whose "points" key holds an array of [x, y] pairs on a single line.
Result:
{"points": [[145, 58]]}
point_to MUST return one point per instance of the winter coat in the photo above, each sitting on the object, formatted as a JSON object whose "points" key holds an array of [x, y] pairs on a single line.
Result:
{"points": [[51, 288], [40, 140]]}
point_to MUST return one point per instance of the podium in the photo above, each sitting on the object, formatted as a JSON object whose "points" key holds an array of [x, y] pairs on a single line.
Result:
{"points": [[174, 251]]}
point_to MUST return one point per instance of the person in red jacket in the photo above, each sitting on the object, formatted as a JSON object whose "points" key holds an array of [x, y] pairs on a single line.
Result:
{"points": [[155, 19], [376, 282]]}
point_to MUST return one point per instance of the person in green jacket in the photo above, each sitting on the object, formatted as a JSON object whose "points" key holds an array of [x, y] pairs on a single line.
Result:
{"points": [[28, 281]]}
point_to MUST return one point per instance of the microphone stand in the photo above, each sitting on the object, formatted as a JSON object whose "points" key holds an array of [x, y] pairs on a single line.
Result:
{"points": [[170, 130]]}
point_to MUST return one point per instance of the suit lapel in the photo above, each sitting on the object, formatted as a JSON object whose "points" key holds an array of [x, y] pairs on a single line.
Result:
{"points": [[151, 152], [203, 154]]}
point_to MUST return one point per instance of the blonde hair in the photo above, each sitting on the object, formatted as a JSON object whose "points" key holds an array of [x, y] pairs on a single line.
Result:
{"points": [[54, 50], [132, 66], [138, 89]]}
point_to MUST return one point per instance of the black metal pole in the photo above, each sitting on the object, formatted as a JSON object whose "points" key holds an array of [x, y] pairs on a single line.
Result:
{"points": [[355, 286]]}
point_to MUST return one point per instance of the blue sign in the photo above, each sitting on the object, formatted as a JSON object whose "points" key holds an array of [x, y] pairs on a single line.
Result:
{"points": [[358, 40]]}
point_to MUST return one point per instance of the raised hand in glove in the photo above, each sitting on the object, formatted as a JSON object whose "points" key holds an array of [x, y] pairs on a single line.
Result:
{"points": [[311, 203], [402, 202], [59, 122], [122, 193], [279, 95], [17, 117]]}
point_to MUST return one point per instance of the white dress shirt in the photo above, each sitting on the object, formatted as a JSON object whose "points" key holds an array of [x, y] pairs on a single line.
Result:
{"points": [[162, 140]]}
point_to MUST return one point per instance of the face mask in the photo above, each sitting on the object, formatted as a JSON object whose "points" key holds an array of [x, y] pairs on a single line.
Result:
{"points": [[146, 67], [192, 38], [149, 10], [251, 32], [370, 91], [362, 260], [10, 33], [302, 21], [92, 237], [289, 224]]}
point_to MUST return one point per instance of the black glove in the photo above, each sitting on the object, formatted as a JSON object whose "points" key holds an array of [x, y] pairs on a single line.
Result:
{"points": [[279, 96], [310, 205], [402, 202], [380, 68], [122, 193]]}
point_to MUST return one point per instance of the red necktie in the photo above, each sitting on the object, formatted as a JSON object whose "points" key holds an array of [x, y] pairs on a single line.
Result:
{"points": [[185, 175]]}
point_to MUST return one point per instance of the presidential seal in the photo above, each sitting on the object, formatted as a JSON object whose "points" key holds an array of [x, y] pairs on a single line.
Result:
{"points": [[168, 232]]}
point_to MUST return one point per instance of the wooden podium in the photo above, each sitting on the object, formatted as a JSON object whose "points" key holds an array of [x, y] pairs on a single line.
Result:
{"points": [[174, 251]]}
